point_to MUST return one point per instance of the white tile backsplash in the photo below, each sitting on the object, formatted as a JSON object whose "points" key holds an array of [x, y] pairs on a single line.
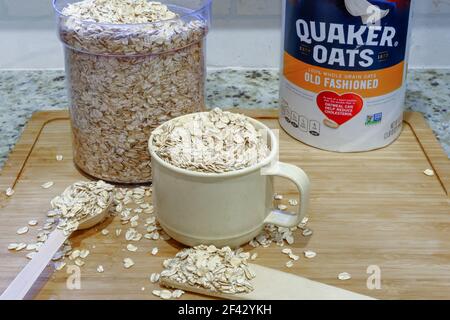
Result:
{"points": [[432, 7], [258, 7], [245, 33], [222, 8], [19, 9]]}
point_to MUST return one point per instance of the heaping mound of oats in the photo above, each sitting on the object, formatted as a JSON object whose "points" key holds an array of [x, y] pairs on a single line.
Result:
{"points": [[219, 270], [213, 142], [131, 66], [128, 27], [119, 11], [81, 201]]}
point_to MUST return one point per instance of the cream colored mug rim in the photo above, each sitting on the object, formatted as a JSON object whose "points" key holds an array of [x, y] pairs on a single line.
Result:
{"points": [[265, 162]]}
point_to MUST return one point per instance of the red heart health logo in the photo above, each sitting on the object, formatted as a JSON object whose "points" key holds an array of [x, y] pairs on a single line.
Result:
{"points": [[339, 108]]}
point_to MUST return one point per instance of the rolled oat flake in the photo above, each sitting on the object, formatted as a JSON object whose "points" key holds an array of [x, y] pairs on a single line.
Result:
{"points": [[9, 192], [343, 72], [344, 276]]}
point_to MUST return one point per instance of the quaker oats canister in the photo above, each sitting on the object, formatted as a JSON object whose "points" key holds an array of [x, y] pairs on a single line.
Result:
{"points": [[343, 72]]}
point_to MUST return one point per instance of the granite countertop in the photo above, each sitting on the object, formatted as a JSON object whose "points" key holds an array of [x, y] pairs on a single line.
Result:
{"points": [[24, 92]]}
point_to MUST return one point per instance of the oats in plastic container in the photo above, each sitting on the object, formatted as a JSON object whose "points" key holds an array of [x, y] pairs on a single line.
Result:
{"points": [[130, 65]]}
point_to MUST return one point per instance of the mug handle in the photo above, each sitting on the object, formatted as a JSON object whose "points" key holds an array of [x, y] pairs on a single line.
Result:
{"points": [[301, 180]]}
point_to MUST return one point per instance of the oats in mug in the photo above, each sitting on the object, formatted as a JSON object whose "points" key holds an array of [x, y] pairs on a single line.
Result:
{"points": [[212, 142]]}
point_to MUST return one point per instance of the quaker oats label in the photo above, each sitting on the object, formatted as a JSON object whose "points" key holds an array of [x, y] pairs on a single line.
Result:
{"points": [[343, 72]]}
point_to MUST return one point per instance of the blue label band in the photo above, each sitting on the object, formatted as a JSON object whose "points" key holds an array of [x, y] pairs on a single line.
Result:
{"points": [[349, 35]]}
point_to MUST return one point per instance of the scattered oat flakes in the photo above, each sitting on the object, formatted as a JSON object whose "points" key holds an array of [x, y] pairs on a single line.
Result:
{"points": [[294, 257], [52, 213], [50, 220], [287, 251], [31, 255], [59, 157], [47, 226], [58, 256], [310, 254], [150, 209], [290, 239], [307, 232], [59, 265], [155, 251], [289, 264], [278, 196], [152, 236], [9, 192], [154, 277], [151, 220], [22, 230], [84, 253], [105, 232], [131, 247], [165, 294], [274, 234], [254, 256], [344, 276], [21, 246], [74, 254], [31, 247], [32, 223], [47, 185], [79, 262], [293, 202], [12, 246], [429, 172], [132, 235], [282, 207], [128, 263], [253, 243], [176, 294], [42, 237], [100, 269], [118, 232], [156, 293]]}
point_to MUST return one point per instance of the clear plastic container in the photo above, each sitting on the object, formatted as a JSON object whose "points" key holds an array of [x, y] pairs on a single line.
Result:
{"points": [[124, 80]]}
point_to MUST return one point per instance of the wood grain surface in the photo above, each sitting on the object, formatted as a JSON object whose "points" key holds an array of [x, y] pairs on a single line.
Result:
{"points": [[367, 209]]}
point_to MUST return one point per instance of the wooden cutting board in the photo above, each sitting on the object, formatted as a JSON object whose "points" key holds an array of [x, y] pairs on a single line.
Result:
{"points": [[367, 209]]}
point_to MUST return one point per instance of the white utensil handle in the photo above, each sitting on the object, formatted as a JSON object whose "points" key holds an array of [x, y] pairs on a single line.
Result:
{"points": [[19, 287], [301, 180]]}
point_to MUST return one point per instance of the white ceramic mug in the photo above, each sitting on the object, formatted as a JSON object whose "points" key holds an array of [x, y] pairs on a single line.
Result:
{"points": [[223, 209]]}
